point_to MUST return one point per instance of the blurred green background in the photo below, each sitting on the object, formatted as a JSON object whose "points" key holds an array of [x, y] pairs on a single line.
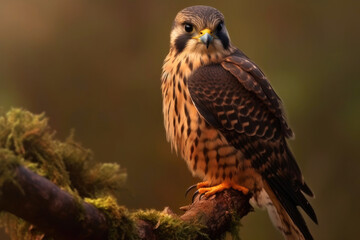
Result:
{"points": [[95, 66]]}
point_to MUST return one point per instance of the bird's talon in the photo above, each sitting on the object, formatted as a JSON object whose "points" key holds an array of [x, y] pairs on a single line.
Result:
{"points": [[194, 195], [190, 188]]}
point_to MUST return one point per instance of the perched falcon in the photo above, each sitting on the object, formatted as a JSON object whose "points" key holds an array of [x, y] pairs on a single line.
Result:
{"points": [[224, 118]]}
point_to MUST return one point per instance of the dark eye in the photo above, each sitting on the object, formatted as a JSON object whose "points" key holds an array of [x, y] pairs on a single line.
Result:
{"points": [[188, 27], [219, 27]]}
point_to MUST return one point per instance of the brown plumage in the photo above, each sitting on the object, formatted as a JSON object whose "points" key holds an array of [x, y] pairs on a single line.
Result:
{"points": [[222, 115]]}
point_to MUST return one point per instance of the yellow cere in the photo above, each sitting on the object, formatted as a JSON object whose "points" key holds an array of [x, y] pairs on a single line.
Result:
{"points": [[203, 32]]}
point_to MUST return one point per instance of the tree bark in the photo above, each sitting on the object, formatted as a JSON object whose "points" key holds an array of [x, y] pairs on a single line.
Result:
{"points": [[62, 216], [219, 211], [52, 210]]}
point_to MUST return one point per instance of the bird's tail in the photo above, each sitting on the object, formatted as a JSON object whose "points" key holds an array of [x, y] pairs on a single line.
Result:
{"points": [[278, 215]]}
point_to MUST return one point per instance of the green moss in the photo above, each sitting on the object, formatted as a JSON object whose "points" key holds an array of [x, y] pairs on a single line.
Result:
{"points": [[26, 138], [8, 162], [234, 229], [18, 228], [171, 227], [29, 136], [89, 178], [119, 219]]}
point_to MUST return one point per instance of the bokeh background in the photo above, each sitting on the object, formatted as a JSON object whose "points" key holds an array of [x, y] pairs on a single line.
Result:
{"points": [[95, 66]]}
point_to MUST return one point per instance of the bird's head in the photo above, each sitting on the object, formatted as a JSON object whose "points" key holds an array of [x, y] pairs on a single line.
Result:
{"points": [[199, 29]]}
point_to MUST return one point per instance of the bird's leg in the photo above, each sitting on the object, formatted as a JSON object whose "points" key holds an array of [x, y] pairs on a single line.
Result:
{"points": [[208, 191]]}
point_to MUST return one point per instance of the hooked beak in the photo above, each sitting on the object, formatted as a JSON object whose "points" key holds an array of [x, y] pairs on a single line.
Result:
{"points": [[205, 37]]}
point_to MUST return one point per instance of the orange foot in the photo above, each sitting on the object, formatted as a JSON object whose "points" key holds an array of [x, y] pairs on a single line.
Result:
{"points": [[204, 188], [208, 191]]}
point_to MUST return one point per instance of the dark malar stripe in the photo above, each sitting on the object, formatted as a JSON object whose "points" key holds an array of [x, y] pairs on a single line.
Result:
{"points": [[224, 39], [181, 41]]}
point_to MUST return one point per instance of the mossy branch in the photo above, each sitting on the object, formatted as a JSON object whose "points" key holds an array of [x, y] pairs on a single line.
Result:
{"points": [[54, 190], [54, 211]]}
